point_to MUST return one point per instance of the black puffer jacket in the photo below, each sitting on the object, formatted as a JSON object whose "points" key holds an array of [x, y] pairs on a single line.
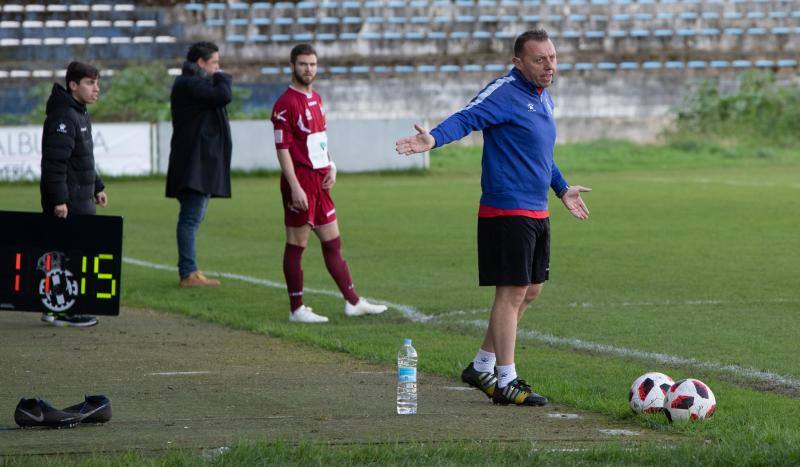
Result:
{"points": [[200, 152], [68, 172]]}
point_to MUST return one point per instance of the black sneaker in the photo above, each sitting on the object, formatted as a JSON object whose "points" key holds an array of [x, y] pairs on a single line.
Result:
{"points": [[37, 412], [94, 409], [483, 380], [518, 392], [64, 320]]}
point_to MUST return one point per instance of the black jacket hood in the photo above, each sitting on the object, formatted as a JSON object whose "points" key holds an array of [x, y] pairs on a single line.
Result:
{"points": [[60, 99]]}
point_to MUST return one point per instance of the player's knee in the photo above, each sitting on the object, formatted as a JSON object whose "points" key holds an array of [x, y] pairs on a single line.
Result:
{"points": [[532, 293]]}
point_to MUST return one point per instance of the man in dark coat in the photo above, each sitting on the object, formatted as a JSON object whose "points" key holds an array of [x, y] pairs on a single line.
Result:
{"points": [[69, 183], [200, 155]]}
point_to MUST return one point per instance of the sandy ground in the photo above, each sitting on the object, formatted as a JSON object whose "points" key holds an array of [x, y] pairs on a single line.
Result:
{"points": [[179, 382]]}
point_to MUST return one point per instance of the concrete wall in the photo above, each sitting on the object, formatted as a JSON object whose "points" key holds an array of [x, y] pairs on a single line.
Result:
{"points": [[355, 145]]}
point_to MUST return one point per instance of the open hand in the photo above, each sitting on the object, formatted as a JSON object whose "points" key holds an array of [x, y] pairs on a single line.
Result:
{"points": [[421, 142]]}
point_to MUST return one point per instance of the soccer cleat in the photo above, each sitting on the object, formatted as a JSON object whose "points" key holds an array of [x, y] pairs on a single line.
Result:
{"points": [[198, 279], [304, 314], [94, 409], [65, 320], [483, 380], [363, 307], [39, 413], [517, 392]]}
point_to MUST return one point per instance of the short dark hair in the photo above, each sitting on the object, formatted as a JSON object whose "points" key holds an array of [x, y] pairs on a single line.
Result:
{"points": [[76, 71], [301, 49], [202, 50], [538, 35]]}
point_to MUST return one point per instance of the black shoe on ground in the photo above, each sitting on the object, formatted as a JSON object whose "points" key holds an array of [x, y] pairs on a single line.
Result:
{"points": [[65, 320], [94, 409], [39, 413], [482, 380], [518, 392]]}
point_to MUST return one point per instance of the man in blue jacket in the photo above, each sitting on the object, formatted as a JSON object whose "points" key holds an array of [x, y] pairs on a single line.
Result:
{"points": [[515, 113]]}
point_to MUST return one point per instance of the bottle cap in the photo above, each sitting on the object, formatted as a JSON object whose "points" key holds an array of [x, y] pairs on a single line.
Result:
{"points": [[406, 341]]}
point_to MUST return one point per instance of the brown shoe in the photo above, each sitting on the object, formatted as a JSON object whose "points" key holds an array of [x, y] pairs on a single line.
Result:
{"points": [[198, 279]]}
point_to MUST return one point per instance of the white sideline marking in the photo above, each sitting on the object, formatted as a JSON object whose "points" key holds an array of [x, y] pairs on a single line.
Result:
{"points": [[568, 416], [611, 432], [417, 316], [179, 373]]}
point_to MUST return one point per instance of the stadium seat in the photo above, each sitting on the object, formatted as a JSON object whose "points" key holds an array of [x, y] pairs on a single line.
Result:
{"points": [[459, 35], [777, 14], [710, 15], [392, 35], [755, 15], [307, 20], [617, 33], [594, 34], [495, 67], [420, 20], [621, 17], [303, 37], [665, 16], [351, 20], [696, 64], [719, 64], [426, 69], [239, 6], [369, 35], [530, 18], [375, 20], [733, 31], [465, 19], [780, 30], [380, 69], [688, 15], [487, 19], [397, 20], [577, 18], [472, 68], [732, 15], [238, 22], [607, 66], [261, 6], [322, 36], [348, 36], [639, 33], [262, 21], [192, 7], [270, 70], [564, 66], [280, 38], [643, 17], [338, 70], [571, 34], [215, 6], [628, 66], [756, 31], [651, 65], [686, 32], [437, 35], [329, 20], [258, 38], [283, 21], [235, 38], [505, 35], [765, 63], [583, 66], [215, 22], [742, 63], [414, 35], [403, 69], [306, 5], [787, 63], [359, 69], [508, 18]]}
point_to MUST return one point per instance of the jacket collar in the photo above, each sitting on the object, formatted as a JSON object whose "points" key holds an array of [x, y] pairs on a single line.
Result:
{"points": [[193, 69]]}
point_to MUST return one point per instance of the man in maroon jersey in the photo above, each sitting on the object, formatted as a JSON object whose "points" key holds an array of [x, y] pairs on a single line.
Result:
{"points": [[307, 177]]}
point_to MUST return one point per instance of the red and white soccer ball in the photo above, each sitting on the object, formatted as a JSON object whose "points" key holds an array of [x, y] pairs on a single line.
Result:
{"points": [[690, 399], [648, 392]]}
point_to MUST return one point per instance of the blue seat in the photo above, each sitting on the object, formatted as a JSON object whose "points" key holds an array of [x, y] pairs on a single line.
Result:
{"points": [[505, 35], [346, 4], [719, 64], [420, 20], [441, 19], [238, 22], [375, 20], [262, 21], [487, 18], [781, 30], [261, 6], [437, 35], [359, 69], [617, 33], [555, 18], [742, 63], [465, 19], [777, 14], [348, 36], [755, 15], [397, 4], [324, 36], [380, 69], [351, 20], [371, 36], [686, 15], [565, 66], [215, 22], [418, 4], [696, 64], [508, 18], [414, 35], [495, 67], [652, 65], [392, 35], [481, 35], [765, 63], [599, 18], [303, 37], [577, 18], [270, 70], [235, 38], [472, 68], [239, 6], [193, 7], [459, 35], [595, 34], [283, 21], [397, 20], [283, 5], [732, 15], [628, 66], [639, 33], [306, 5], [584, 66], [686, 32], [530, 18], [257, 38], [338, 70], [665, 15], [403, 69], [449, 68], [710, 15], [329, 20], [756, 31], [621, 17], [571, 34], [709, 32], [307, 20], [215, 6], [280, 38], [643, 17], [787, 63], [796, 14], [606, 66]]}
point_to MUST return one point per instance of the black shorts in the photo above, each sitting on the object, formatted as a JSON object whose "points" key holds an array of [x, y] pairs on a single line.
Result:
{"points": [[513, 250]]}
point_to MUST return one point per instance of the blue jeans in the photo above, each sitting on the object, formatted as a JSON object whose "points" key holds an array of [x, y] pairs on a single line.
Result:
{"points": [[193, 210]]}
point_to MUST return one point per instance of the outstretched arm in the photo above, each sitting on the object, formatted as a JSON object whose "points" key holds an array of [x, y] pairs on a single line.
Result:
{"points": [[421, 142], [574, 203]]}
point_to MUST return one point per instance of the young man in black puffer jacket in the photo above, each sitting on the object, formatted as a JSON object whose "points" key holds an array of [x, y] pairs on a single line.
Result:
{"points": [[70, 183]]}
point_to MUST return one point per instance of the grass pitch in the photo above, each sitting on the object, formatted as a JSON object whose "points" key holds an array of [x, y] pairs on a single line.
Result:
{"points": [[688, 265]]}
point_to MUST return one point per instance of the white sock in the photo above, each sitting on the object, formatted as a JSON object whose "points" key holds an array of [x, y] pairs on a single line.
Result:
{"points": [[484, 361], [506, 374]]}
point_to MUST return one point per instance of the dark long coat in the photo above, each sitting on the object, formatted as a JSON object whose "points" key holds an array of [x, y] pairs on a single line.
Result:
{"points": [[200, 151]]}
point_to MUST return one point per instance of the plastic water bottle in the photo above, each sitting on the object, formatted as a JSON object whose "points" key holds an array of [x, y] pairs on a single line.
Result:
{"points": [[406, 379]]}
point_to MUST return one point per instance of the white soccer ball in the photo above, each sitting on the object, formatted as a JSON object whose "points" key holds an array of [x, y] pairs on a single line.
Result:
{"points": [[648, 392], [690, 399]]}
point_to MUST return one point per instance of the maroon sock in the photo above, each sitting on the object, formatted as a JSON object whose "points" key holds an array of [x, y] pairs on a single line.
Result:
{"points": [[292, 256], [337, 266]]}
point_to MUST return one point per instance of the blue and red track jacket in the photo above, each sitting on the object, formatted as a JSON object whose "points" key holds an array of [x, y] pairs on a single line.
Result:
{"points": [[519, 133]]}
